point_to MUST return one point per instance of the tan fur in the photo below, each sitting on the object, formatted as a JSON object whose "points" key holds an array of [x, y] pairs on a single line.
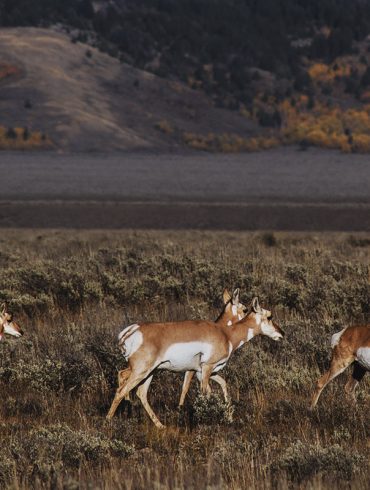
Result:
{"points": [[220, 340], [224, 318], [6, 319], [344, 354]]}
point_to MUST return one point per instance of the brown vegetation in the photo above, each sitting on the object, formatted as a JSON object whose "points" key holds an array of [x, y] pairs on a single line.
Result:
{"points": [[72, 292]]}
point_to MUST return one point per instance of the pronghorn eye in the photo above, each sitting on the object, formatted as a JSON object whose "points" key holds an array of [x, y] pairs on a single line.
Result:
{"points": [[269, 317]]}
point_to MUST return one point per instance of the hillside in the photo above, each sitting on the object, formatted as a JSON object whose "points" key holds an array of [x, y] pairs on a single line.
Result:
{"points": [[215, 75], [83, 99]]}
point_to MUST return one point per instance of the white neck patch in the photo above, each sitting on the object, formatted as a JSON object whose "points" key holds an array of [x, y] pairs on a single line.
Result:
{"points": [[234, 309], [229, 323]]}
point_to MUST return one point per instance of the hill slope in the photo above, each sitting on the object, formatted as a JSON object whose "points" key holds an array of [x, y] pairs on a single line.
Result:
{"points": [[86, 100]]}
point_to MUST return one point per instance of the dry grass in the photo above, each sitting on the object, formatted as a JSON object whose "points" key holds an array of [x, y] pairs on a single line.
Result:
{"points": [[72, 292]]}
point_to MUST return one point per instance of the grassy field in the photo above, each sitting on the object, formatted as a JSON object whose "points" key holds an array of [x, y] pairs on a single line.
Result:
{"points": [[73, 291]]}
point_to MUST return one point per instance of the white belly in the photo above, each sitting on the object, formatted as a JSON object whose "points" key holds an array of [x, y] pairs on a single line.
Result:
{"points": [[186, 356], [363, 357]]}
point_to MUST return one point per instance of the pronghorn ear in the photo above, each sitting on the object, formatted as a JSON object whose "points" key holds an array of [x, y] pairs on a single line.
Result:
{"points": [[255, 305], [3, 308], [226, 296], [235, 299]]}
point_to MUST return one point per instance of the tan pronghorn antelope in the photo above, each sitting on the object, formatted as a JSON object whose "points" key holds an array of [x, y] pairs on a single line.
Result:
{"points": [[232, 312], [7, 325], [350, 345], [200, 346]]}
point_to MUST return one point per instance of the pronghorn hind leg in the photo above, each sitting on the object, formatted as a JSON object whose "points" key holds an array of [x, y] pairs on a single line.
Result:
{"points": [[357, 374], [337, 366], [123, 376], [186, 385], [142, 393], [123, 391]]}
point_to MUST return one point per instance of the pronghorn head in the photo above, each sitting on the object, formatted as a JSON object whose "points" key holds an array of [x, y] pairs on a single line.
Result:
{"points": [[7, 325], [233, 310], [263, 318]]}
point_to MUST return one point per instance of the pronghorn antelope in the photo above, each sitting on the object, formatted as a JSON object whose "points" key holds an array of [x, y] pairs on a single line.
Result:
{"points": [[350, 345], [232, 312], [7, 325], [200, 346]]}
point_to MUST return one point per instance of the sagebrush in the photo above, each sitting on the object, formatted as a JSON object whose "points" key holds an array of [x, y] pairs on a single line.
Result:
{"points": [[73, 291]]}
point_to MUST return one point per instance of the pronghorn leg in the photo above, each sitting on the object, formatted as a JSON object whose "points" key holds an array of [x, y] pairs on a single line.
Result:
{"points": [[142, 393], [123, 376], [186, 385], [337, 366], [353, 381], [122, 391], [222, 383], [204, 382]]}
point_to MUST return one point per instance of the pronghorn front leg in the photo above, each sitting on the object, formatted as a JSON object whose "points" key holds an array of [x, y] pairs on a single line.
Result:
{"points": [[337, 366], [204, 382], [354, 379], [220, 381], [186, 385]]}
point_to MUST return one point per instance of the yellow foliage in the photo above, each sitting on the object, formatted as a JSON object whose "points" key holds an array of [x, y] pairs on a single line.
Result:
{"points": [[229, 143], [319, 71], [34, 140], [164, 126], [317, 137], [361, 143]]}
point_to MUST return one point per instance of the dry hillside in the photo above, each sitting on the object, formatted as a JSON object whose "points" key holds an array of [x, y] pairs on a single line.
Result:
{"points": [[83, 99]]}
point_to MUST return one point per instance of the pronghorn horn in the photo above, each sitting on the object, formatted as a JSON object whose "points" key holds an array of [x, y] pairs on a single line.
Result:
{"points": [[255, 305], [226, 296], [236, 296]]}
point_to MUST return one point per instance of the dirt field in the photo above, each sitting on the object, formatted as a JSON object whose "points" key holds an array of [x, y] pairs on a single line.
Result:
{"points": [[282, 189]]}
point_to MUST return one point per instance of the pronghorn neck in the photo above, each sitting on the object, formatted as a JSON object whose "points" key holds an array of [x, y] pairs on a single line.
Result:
{"points": [[244, 330], [228, 316]]}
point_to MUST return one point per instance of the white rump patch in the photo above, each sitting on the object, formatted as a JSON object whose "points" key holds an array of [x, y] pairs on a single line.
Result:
{"points": [[336, 338], [250, 334], [363, 357], [127, 331], [132, 343]]}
